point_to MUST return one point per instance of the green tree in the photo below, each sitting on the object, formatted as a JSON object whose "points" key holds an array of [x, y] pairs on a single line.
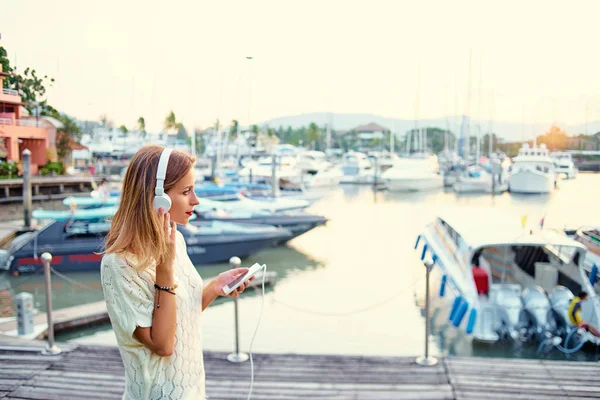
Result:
{"points": [[181, 132], [31, 87], [67, 135], [554, 139], [313, 135], [5, 65], [123, 129], [105, 122], [170, 121], [486, 143], [233, 129], [142, 125]]}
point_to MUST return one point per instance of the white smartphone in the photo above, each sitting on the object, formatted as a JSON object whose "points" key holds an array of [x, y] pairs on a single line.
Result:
{"points": [[234, 284]]}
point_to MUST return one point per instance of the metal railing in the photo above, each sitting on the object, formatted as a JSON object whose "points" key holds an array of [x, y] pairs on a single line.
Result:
{"points": [[28, 122], [10, 92], [21, 122]]}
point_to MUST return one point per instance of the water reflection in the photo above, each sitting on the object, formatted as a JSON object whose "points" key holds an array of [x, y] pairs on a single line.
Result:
{"points": [[363, 256], [286, 261]]}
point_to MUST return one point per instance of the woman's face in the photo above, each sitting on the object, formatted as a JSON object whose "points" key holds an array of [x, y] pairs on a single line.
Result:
{"points": [[183, 199]]}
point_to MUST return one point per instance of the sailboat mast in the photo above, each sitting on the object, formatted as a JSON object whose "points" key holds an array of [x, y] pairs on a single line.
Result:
{"points": [[491, 132], [417, 130], [478, 153]]}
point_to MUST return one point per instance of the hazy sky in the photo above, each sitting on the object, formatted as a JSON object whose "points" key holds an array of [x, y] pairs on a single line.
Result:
{"points": [[130, 58]]}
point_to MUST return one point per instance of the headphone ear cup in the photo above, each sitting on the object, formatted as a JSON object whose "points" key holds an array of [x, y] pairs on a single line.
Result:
{"points": [[163, 201]]}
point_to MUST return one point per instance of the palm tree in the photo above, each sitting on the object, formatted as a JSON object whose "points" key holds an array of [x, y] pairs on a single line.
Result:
{"points": [[141, 124], [67, 135], [233, 129], [313, 134], [170, 121]]}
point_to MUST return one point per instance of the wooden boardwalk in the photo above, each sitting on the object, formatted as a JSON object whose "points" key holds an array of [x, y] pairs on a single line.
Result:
{"points": [[96, 372]]}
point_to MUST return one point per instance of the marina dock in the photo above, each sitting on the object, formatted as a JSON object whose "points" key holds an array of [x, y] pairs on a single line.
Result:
{"points": [[45, 187], [96, 372]]}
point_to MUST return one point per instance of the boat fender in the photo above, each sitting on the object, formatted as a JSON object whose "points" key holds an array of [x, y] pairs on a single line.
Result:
{"points": [[455, 306], [594, 274], [424, 251], [460, 313], [418, 240], [443, 286], [471, 321]]}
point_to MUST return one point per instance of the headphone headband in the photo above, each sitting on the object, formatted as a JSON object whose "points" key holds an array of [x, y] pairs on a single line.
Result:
{"points": [[161, 171]]}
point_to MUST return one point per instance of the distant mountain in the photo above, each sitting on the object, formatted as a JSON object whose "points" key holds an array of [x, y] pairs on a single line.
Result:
{"points": [[509, 131]]}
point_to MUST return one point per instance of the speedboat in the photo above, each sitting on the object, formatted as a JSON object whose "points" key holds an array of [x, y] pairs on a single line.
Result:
{"points": [[505, 282], [590, 238], [76, 239], [297, 222]]}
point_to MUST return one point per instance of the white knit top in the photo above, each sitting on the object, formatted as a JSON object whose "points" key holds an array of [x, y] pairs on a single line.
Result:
{"points": [[129, 298]]}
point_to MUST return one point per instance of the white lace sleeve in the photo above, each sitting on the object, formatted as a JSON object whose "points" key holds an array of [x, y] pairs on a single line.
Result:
{"points": [[129, 294]]}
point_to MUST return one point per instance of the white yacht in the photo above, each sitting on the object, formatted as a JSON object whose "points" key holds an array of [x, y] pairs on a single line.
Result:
{"points": [[384, 160], [286, 171], [413, 174], [356, 168], [317, 171], [563, 164], [504, 281], [533, 171]]}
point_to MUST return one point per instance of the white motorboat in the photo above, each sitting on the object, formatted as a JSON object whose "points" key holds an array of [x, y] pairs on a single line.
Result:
{"points": [[317, 171], [505, 281], [285, 170], [563, 164], [413, 174], [533, 171], [356, 168]]}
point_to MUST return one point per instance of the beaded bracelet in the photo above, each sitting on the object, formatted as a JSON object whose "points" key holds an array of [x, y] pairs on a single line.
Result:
{"points": [[175, 286], [168, 289]]}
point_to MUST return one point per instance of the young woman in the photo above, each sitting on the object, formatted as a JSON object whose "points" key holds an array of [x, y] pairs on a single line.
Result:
{"points": [[153, 293]]}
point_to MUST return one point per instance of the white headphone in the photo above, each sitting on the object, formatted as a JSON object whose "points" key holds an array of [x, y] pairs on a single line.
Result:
{"points": [[161, 199]]}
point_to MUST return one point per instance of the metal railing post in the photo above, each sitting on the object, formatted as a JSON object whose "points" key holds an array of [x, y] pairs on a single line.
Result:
{"points": [[427, 361], [236, 357], [51, 348], [27, 188]]}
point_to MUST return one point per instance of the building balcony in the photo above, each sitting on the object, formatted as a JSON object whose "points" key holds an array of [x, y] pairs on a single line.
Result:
{"points": [[10, 96], [21, 122]]}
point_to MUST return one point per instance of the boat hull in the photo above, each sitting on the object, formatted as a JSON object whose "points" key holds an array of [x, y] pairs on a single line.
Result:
{"points": [[413, 185], [84, 253], [297, 224], [531, 181]]}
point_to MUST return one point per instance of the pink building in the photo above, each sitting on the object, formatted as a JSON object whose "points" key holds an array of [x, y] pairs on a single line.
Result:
{"points": [[20, 132]]}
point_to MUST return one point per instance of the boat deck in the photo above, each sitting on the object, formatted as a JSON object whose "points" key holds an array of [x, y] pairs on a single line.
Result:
{"points": [[96, 372]]}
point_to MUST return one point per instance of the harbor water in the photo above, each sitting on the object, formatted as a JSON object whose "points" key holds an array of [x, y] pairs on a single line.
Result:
{"points": [[354, 286]]}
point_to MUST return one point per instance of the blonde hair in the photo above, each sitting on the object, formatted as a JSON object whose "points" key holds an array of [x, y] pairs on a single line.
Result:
{"points": [[136, 227]]}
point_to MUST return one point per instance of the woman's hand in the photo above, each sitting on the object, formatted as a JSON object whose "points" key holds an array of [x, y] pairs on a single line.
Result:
{"points": [[166, 267], [225, 277]]}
